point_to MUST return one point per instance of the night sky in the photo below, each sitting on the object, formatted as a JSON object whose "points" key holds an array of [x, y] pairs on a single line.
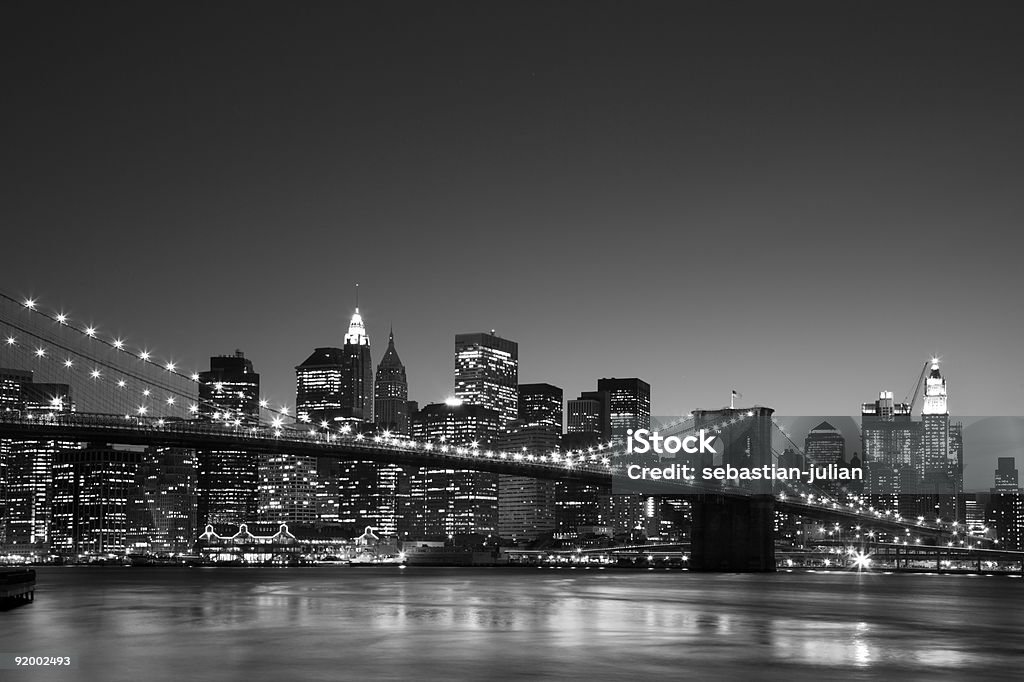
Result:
{"points": [[799, 202]]}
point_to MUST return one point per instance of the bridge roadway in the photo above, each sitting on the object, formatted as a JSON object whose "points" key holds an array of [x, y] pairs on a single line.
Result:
{"points": [[148, 431]]}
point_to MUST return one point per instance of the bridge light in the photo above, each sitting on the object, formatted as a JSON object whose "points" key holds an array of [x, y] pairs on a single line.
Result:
{"points": [[30, 303], [160, 422], [144, 356], [218, 386], [40, 352], [142, 410], [170, 400], [195, 376], [90, 331], [95, 374], [68, 363], [169, 366], [193, 408], [284, 409], [146, 392], [61, 318], [11, 340], [324, 424], [119, 344], [276, 422], [264, 404], [121, 383]]}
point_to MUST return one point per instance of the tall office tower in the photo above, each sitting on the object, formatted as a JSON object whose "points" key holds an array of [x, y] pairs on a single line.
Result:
{"points": [[1007, 478], [30, 471], [11, 403], [318, 382], [890, 446], [92, 492], [227, 479], [487, 373], [526, 506], [391, 392], [581, 510], [164, 513], [824, 444], [934, 459], [357, 373], [629, 405], [588, 414], [286, 492], [444, 503], [1005, 511], [540, 405]]}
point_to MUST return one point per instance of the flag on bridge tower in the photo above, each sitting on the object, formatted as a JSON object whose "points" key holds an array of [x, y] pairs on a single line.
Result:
{"points": [[732, 399]]}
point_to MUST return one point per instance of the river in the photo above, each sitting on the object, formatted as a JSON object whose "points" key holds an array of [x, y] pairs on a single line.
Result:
{"points": [[420, 623]]}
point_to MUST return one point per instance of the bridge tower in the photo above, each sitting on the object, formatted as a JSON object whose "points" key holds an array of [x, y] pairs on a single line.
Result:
{"points": [[736, 533]]}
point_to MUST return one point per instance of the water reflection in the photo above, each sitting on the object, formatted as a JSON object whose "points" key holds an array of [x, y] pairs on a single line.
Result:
{"points": [[469, 623]]}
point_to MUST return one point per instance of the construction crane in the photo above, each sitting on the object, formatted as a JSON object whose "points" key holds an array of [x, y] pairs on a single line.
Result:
{"points": [[910, 400]]}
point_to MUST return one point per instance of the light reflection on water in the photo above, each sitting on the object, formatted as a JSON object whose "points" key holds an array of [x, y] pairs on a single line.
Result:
{"points": [[434, 623]]}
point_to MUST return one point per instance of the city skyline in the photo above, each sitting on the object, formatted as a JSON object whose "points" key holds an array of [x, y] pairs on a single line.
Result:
{"points": [[695, 196]]}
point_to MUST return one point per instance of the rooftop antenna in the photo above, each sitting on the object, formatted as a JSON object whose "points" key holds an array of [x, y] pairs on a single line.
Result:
{"points": [[357, 297]]}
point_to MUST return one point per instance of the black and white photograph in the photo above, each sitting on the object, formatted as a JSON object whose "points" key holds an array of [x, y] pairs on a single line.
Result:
{"points": [[511, 340]]}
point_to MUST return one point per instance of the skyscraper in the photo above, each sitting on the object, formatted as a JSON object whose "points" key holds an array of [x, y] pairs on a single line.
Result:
{"points": [[391, 392], [629, 405], [487, 373], [227, 479], [1005, 510], [449, 502], [30, 464], [824, 444], [165, 501], [526, 506], [357, 373], [318, 387], [93, 489]]}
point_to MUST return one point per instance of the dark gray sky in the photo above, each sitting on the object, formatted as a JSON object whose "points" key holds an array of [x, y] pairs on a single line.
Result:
{"points": [[801, 202]]}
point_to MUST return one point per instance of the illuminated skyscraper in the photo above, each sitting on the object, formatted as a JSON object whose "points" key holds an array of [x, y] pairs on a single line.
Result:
{"points": [[1005, 511], [93, 490], [629, 405], [227, 479], [487, 373], [357, 373], [30, 463], [391, 392], [449, 502], [318, 382], [526, 506], [164, 514], [935, 453], [589, 414]]}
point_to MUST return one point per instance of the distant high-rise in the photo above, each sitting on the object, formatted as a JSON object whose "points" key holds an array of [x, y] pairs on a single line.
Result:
{"points": [[357, 373], [540, 405], [629, 405], [448, 502], [934, 460], [286, 492], [93, 489], [227, 479], [165, 501], [391, 392], [487, 373], [824, 444], [587, 414], [1005, 511], [526, 506], [1007, 478], [318, 387], [29, 465]]}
